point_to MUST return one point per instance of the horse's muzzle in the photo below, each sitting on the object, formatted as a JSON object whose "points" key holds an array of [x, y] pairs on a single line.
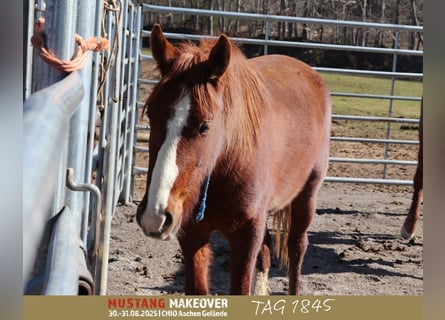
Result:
{"points": [[159, 226], [165, 232]]}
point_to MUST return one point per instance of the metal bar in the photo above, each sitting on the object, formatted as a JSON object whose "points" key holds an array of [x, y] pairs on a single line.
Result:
{"points": [[62, 274], [121, 99], [391, 92], [91, 248], [28, 50], [371, 73], [103, 138], [93, 113], [102, 181], [145, 81], [134, 94], [140, 149], [326, 46], [77, 145], [216, 13], [45, 119], [365, 118], [370, 140], [370, 181], [110, 159], [374, 96], [129, 126], [266, 38], [145, 57], [139, 170], [142, 127], [59, 15], [373, 161]]}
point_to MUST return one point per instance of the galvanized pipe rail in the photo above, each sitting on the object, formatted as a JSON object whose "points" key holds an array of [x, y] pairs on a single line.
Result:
{"points": [[46, 117], [116, 140], [266, 42], [276, 18], [66, 239]]}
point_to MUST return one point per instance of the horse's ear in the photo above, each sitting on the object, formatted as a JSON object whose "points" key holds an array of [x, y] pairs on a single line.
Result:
{"points": [[163, 51], [219, 57]]}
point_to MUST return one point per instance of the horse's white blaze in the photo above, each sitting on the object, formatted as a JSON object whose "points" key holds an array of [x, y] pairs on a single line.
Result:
{"points": [[165, 170]]}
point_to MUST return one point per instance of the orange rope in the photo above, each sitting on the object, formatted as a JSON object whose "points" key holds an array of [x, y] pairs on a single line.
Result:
{"points": [[79, 60]]}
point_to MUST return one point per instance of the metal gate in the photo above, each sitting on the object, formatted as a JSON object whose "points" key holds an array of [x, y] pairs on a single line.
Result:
{"points": [[78, 139], [271, 23]]}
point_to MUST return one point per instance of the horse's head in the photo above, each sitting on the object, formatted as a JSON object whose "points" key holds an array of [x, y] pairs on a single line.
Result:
{"points": [[185, 111]]}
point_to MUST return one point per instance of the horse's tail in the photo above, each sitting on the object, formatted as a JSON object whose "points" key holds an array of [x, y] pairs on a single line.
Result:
{"points": [[281, 225]]}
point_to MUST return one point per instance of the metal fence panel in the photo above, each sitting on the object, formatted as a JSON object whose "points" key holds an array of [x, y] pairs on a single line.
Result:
{"points": [[46, 116], [267, 42], [63, 210]]}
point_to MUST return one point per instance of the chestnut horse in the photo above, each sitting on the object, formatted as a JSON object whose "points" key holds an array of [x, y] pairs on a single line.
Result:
{"points": [[232, 141], [409, 226]]}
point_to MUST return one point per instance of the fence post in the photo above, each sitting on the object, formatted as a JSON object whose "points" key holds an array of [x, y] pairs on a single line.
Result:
{"points": [[79, 120], [59, 15], [391, 92]]}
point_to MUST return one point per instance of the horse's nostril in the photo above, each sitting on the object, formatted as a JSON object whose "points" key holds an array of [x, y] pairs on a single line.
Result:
{"points": [[168, 221]]}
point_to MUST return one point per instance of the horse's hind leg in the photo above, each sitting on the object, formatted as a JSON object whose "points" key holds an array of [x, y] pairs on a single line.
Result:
{"points": [[302, 212], [260, 279], [409, 226]]}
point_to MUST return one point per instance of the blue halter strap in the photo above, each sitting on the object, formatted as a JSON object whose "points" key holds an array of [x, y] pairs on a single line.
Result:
{"points": [[202, 204]]}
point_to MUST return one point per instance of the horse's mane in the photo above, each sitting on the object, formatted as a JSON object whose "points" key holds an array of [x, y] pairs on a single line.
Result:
{"points": [[243, 97], [243, 93], [241, 87]]}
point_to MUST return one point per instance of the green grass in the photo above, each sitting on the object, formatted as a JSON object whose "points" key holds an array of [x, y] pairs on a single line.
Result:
{"points": [[146, 51], [373, 107], [373, 85]]}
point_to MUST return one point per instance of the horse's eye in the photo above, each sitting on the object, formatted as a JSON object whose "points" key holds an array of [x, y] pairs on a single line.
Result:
{"points": [[204, 128]]}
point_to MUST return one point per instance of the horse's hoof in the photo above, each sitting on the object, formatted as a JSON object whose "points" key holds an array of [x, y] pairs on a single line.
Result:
{"points": [[405, 234], [261, 283]]}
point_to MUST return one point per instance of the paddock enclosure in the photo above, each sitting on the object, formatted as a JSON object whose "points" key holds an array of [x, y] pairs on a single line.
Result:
{"points": [[85, 143]]}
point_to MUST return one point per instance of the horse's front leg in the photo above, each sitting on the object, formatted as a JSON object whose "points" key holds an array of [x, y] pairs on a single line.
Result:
{"points": [[245, 245], [197, 255]]}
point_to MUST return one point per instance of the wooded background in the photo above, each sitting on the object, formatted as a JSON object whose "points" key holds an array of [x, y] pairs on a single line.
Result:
{"points": [[407, 12]]}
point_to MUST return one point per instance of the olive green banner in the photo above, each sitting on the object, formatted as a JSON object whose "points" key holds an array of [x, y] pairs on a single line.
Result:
{"points": [[223, 307]]}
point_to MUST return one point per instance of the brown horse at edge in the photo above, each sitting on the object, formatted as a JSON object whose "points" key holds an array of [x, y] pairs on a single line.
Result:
{"points": [[409, 226]]}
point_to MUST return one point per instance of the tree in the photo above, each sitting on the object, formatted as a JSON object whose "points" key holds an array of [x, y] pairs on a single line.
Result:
{"points": [[384, 11], [415, 21]]}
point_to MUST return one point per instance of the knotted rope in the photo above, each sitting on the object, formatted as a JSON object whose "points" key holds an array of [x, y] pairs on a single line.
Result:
{"points": [[38, 41]]}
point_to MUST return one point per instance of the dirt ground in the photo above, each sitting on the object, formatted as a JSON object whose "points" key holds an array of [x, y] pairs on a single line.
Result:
{"points": [[355, 245], [355, 249]]}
